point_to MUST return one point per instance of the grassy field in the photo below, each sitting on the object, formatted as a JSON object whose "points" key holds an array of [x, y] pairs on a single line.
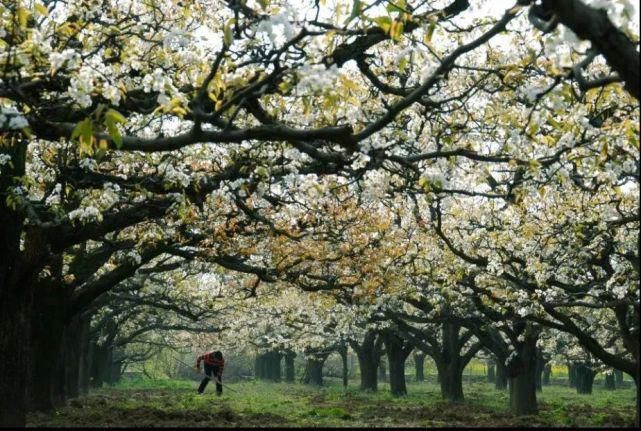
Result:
{"points": [[256, 404]]}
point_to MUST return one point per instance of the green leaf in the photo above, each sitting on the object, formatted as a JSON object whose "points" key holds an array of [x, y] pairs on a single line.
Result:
{"points": [[112, 119], [384, 22], [84, 132], [23, 17], [396, 30], [398, 6], [115, 116], [357, 6], [228, 36], [430, 32]]}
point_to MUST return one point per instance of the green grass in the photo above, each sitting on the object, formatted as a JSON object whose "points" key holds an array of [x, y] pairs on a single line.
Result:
{"points": [[259, 404]]}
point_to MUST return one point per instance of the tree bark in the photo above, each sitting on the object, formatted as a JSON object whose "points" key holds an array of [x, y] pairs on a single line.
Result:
{"points": [[584, 376], [274, 365], [491, 371], [547, 371], [501, 376], [451, 379], [522, 374], [419, 364], [45, 386], [289, 367], [594, 25], [571, 374], [368, 354], [540, 368], [315, 371], [343, 352], [72, 354], [397, 352], [618, 378], [83, 376], [450, 363], [18, 270], [609, 383], [382, 370]]}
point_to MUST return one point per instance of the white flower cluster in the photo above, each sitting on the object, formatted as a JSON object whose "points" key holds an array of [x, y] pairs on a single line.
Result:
{"points": [[173, 176], [618, 289], [81, 87], [175, 39], [316, 78], [11, 119], [54, 197], [85, 215], [88, 164], [4, 159], [133, 256], [110, 195], [360, 161], [111, 93], [69, 58], [157, 81], [495, 265], [277, 28]]}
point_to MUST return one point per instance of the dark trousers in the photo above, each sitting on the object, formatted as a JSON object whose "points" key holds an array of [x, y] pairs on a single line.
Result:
{"points": [[211, 371]]}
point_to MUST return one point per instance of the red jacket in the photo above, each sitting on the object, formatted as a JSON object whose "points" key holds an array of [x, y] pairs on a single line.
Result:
{"points": [[208, 359]]}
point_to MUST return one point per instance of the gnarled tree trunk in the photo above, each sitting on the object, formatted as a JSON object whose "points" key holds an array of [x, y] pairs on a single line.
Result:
{"points": [[368, 354], [522, 374], [397, 352], [290, 372], [419, 364], [584, 376]]}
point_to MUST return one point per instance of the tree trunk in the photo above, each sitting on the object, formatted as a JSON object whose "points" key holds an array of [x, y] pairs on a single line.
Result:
{"points": [[14, 316], [259, 367], [584, 376], [491, 372], [368, 354], [571, 375], [18, 270], [522, 374], [115, 373], [450, 363], [451, 379], [315, 371], [72, 341], [267, 366], [343, 352], [368, 368], [85, 359], [101, 365], [274, 366], [290, 372], [45, 385], [397, 353], [501, 376], [58, 396], [547, 371], [95, 354], [382, 370], [618, 378], [540, 367], [609, 383], [419, 364]]}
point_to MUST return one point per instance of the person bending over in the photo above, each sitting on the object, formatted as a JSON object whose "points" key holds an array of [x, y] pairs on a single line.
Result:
{"points": [[214, 364]]}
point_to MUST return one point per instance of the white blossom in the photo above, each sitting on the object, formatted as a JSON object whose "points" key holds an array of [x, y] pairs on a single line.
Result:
{"points": [[85, 215]]}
